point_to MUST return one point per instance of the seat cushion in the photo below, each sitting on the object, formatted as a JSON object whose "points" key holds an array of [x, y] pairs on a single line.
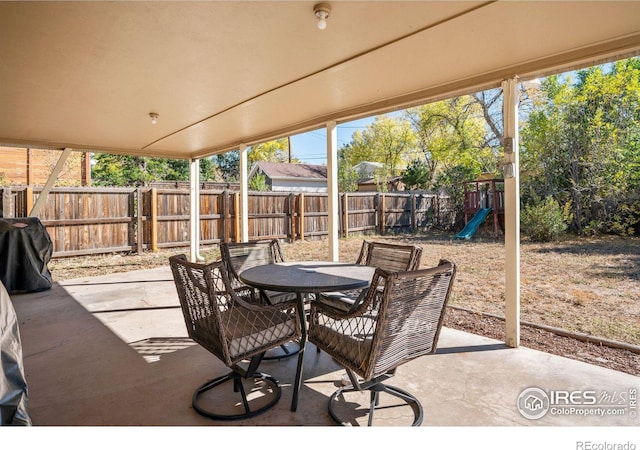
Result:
{"points": [[278, 297], [248, 330], [351, 350], [343, 301]]}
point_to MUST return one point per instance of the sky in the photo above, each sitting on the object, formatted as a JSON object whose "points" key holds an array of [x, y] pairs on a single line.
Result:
{"points": [[311, 147]]}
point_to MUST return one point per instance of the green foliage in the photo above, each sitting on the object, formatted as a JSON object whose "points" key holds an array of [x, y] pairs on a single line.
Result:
{"points": [[626, 220], [452, 181], [431, 142], [417, 175], [272, 151], [583, 144], [452, 146], [347, 176], [544, 221], [451, 133], [387, 140], [229, 165], [3, 180], [120, 170], [259, 183], [208, 170]]}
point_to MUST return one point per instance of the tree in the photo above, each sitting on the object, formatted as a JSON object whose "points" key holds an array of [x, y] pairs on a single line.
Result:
{"points": [[347, 176], [450, 133], [387, 140], [418, 175], [490, 102], [582, 144], [121, 170], [272, 151], [229, 165], [258, 183]]}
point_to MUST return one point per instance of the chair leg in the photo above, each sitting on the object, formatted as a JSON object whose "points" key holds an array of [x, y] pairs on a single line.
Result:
{"points": [[374, 398], [236, 379], [373, 402]]}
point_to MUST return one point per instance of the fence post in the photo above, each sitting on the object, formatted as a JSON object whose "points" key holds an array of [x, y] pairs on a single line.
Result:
{"points": [[301, 216], [292, 219], [140, 224], [236, 210], [383, 220], [28, 201], [131, 228], [154, 220], [225, 216], [413, 213], [345, 214]]}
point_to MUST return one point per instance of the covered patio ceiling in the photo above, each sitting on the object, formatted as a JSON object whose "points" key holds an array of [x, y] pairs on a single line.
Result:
{"points": [[86, 75]]}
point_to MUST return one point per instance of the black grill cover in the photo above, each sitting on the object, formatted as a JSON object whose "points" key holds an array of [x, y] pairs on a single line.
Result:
{"points": [[13, 387], [25, 251]]}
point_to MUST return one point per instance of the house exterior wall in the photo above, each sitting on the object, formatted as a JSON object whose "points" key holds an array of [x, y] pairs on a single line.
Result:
{"points": [[298, 185]]}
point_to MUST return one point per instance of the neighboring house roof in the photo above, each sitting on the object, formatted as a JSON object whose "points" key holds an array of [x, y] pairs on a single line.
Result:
{"points": [[289, 171], [366, 168]]}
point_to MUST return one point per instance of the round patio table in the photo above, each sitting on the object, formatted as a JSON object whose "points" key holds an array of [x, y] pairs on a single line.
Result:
{"points": [[306, 277]]}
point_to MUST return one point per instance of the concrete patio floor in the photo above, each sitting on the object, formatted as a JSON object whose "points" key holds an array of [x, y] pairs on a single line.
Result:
{"points": [[112, 350]]}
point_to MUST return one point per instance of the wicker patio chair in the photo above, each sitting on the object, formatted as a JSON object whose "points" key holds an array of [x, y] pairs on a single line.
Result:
{"points": [[391, 327], [233, 330], [381, 255], [239, 256]]}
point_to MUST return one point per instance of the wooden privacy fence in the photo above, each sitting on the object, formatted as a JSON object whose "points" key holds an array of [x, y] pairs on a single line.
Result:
{"points": [[84, 221]]}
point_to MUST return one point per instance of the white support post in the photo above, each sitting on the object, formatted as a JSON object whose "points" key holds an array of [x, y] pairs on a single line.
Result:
{"points": [[332, 189], [42, 198], [511, 212], [244, 194], [194, 210]]}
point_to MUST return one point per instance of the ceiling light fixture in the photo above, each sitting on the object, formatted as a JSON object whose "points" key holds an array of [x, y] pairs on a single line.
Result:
{"points": [[322, 11], [154, 118]]}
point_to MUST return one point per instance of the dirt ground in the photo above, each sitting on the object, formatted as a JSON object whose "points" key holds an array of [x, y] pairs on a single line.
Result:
{"points": [[587, 286]]}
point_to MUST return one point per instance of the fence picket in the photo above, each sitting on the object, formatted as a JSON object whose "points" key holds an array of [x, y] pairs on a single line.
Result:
{"points": [[83, 221]]}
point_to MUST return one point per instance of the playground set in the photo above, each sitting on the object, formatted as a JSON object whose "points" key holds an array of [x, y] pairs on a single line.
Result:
{"points": [[483, 199]]}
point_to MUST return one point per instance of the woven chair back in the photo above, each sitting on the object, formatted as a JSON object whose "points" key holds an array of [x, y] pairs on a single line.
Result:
{"points": [[239, 256], [220, 320], [390, 257], [396, 323]]}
